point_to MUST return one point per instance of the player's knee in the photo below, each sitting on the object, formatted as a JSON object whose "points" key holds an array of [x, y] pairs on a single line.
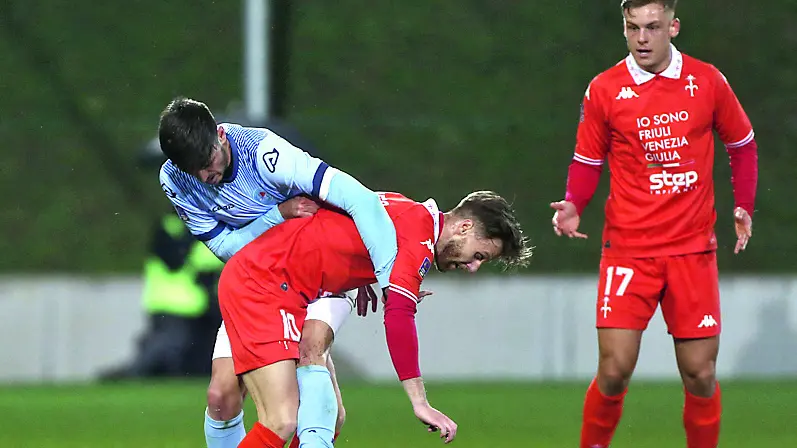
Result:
{"points": [[282, 423], [317, 336], [699, 379], [614, 375], [341, 418], [224, 398]]}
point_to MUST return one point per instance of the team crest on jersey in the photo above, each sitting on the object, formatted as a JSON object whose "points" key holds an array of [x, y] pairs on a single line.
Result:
{"points": [[182, 213], [425, 266]]}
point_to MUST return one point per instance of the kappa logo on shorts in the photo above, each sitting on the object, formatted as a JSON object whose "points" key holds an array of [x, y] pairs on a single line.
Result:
{"points": [[708, 321], [425, 266]]}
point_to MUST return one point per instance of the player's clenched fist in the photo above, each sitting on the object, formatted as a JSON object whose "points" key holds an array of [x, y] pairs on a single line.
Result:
{"points": [[566, 220], [298, 207], [436, 421]]}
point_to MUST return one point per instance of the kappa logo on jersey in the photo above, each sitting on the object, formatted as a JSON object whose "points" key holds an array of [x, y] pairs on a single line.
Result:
{"points": [[425, 266], [691, 87], [169, 192], [708, 321], [626, 93], [676, 182], [429, 245], [182, 213], [270, 160]]}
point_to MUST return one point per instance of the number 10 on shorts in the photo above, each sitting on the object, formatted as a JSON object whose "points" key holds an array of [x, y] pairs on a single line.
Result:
{"points": [[290, 330], [625, 275]]}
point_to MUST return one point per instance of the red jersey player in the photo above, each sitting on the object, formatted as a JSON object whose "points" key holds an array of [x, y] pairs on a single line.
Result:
{"points": [[265, 288], [651, 116]]}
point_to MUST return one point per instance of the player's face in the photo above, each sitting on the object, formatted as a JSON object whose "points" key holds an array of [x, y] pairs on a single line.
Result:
{"points": [[219, 161], [466, 249], [648, 32]]}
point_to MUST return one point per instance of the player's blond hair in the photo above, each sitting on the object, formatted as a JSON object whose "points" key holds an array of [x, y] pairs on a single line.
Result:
{"points": [[625, 5], [495, 218]]}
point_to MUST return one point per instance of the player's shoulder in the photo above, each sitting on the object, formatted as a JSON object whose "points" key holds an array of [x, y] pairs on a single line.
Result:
{"points": [[173, 180], [609, 79], [699, 67], [246, 139]]}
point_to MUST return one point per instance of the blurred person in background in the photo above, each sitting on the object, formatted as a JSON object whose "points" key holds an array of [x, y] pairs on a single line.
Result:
{"points": [[652, 116], [179, 297], [229, 184]]}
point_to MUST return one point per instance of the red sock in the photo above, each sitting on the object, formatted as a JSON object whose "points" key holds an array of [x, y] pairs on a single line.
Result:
{"points": [[601, 416], [261, 437], [702, 419], [295, 440]]}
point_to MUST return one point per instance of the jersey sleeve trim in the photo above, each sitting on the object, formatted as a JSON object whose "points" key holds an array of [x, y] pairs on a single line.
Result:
{"points": [[213, 233], [586, 160], [743, 141], [403, 291], [321, 180]]}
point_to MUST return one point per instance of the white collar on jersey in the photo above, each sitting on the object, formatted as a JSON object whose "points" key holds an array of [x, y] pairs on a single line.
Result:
{"points": [[431, 207], [673, 71]]}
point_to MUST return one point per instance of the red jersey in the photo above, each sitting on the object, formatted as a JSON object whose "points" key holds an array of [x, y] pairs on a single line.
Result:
{"points": [[325, 253], [657, 133]]}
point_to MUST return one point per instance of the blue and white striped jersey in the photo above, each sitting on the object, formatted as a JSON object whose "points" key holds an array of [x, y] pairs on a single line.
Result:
{"points": [[266, 170]]}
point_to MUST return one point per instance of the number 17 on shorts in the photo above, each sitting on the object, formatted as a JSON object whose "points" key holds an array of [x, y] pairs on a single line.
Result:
{"points": [[627, 294]]}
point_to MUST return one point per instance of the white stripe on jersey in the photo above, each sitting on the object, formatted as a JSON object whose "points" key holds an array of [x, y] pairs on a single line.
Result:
{"points": [[403, 291], [742, 142], [586, 160], [323, 190]]}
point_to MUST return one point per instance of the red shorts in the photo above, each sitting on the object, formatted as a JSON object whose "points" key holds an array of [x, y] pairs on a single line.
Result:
{"points": [[686, 286], [264, 318]]}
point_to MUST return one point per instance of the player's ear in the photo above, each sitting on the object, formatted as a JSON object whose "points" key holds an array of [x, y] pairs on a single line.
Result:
{"points": [[465, 225], [675, 27]]}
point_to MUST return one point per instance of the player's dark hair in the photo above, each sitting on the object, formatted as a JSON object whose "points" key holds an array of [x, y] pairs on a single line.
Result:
{"points": [[187, 134], [495, 218], [625, 5]]}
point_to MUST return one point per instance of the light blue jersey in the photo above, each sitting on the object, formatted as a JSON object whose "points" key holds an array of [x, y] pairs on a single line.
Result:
{"points": [[266, 171]]}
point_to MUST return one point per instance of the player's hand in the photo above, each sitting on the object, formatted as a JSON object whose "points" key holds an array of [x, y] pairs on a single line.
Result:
{"points": [[366, 296], [436, 421], [423, 294], [744, 228], [566, 220], [298, 207]]}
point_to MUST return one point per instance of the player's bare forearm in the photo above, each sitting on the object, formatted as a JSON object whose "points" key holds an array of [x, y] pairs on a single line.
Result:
{"points": [[416, 391]]}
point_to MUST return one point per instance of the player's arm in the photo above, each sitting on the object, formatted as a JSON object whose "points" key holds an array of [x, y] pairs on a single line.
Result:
{"points": [[736, 132], [282, 165], [401, 303], [592, 144], [221, 239]]}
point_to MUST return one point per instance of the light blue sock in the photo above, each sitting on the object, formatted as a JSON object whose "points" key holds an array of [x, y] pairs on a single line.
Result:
{"points": [[224, 434], [318, 407]]}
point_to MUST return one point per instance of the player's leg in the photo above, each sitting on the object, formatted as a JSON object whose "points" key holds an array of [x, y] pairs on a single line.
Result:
{"points": [[319, 399], [691, 309], [224, 423], [628, 296], [275, 392], [264, 322], [341, 410]]}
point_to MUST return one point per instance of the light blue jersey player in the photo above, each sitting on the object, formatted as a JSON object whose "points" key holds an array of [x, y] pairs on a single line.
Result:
{"points": [[229, 184]]}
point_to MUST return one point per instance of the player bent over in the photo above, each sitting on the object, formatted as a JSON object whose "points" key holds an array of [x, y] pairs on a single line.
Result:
{"points": [[265, 289], [230, 184], [651, 116]]}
